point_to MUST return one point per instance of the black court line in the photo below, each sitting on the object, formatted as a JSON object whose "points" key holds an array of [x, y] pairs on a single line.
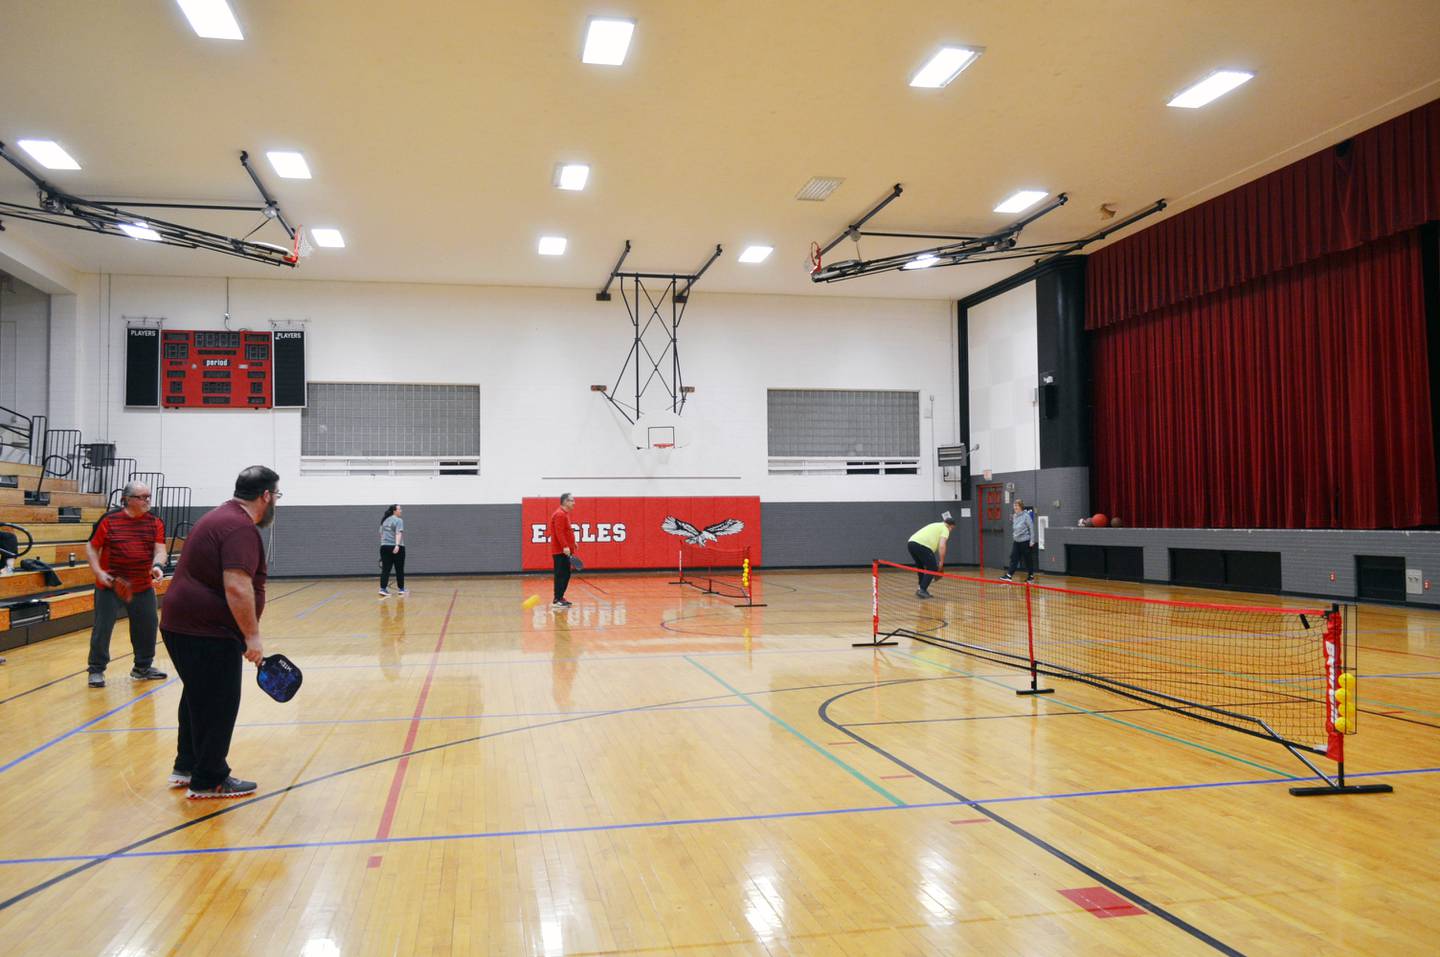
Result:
{"points": [[248, 802], [128, 654], [1090, 872]]}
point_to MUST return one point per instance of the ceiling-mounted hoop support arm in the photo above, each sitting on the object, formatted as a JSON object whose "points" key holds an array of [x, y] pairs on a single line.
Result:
{"points": [[57, 207], [635, 294], [1003, 244]]}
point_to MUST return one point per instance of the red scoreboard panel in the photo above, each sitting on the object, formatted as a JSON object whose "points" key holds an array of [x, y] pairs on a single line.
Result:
{"points": [[202, 369]]}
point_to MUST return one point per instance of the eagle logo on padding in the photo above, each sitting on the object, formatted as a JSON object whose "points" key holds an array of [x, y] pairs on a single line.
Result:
{"points": [[700, 537]]}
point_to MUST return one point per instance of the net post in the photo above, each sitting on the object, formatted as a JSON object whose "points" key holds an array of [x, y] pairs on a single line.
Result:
{"points": [[1030, 639], [679, 567], [1336, 665], [875, 641], [745, 583]]}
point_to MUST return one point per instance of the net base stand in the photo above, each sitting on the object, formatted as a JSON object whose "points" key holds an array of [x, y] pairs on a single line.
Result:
{"points": [[890, 643], [1323, 789], [1036, 691]]}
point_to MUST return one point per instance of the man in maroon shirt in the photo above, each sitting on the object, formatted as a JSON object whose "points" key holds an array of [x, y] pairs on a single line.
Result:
{"points": [[562, 546], [128, 544], [212, 621]]}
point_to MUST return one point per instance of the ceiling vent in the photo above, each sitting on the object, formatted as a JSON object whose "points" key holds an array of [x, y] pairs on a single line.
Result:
{"points": [[819, 188]]}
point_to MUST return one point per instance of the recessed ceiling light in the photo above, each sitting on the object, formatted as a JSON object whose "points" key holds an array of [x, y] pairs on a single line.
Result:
{"points": [[944, 67], [49, 154], [922, 262], [328, 237], [572, 176], [289, 164], [819, 188], [211, 19], [139, 231], [552, 245], [1021, 200], [1211, 88], [607, 41], [756, 254]]}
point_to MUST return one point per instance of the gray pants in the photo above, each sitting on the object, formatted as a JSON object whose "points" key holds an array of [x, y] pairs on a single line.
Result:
{"points": [[143, 623]]}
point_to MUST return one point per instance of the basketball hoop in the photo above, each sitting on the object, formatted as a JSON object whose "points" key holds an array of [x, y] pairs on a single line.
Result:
{"points": [[302, 247], [814, 258]]}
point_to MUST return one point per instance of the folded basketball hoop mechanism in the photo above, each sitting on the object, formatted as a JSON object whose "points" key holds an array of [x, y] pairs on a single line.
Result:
{"points": [[956, 250], [124, 219], [652, 364]]}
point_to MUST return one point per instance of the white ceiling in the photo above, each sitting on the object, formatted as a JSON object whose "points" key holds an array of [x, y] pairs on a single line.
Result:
{"points": [[433, 128]]}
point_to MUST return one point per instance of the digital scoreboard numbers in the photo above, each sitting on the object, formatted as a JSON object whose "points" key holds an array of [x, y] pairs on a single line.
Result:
{"points": [[204, 369]]}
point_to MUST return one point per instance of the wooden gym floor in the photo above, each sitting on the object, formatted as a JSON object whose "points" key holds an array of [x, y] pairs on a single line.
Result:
{"points": [[659, 772]]}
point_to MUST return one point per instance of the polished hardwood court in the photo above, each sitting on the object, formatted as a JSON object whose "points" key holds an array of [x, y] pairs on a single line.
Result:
{"points": [[657, 771]]}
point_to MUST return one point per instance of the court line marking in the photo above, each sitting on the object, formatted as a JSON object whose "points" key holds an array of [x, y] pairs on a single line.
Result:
{"points": [[1174, 920], [678, 822], [317, 606], [437, 717], [791, 728], [128, 654], [397, 780], [1105, 717], [74, 731]]}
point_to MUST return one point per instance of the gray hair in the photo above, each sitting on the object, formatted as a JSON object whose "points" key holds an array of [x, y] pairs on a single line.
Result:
{"points": [[132, 488], [566, 497]]}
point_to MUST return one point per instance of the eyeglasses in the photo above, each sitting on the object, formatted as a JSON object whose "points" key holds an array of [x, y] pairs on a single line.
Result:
{"points": [[146, 497], [276, 494]]}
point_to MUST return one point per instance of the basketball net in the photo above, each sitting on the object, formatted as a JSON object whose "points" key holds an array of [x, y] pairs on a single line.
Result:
{"points": [[814, 262], [302, 247]]}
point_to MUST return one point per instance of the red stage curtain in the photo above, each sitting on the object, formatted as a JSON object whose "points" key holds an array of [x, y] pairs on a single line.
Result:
{"points": [[1300, 400], [1386, 181]]}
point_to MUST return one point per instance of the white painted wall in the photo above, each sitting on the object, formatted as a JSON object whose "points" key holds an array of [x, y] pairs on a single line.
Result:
{"points": [[534, 353], [24, 348], [1004, 373]]}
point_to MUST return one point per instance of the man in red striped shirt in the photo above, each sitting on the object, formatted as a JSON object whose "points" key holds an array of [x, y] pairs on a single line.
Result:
{"points": [[127, 543], [562, 546]]}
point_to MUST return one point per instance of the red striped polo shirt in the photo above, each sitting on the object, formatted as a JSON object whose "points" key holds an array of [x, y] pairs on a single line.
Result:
{"points": [[127, 545]]}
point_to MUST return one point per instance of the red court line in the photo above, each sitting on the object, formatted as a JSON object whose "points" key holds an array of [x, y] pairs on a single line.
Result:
{"points": [[398, 780], [972, 820], [895, 777], [1101, 902]]}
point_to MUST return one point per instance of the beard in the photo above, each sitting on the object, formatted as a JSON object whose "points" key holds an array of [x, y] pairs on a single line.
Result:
{"points": [[268, 518]]}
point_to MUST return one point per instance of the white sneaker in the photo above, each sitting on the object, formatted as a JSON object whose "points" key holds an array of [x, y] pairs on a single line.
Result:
{"points": [[384, 594], [403, 593]]}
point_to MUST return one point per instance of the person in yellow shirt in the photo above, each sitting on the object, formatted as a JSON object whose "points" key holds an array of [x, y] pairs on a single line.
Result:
{"points": [[927, 549]]}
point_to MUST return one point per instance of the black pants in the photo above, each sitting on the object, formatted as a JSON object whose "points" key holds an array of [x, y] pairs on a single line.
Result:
{"points": [[143, 621], [562, 575], [392, 558], [209, 671], [924, 558], [1018, 551]]}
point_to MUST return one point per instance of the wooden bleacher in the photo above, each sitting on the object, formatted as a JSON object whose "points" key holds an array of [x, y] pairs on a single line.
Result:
{"points": [[56, 543]]}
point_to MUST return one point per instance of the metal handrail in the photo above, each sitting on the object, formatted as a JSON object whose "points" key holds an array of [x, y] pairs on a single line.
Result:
{"points": [[29, 541]]}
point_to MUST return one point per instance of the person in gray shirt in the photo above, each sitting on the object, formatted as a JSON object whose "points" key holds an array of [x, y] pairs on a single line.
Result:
{"points": [[392, 551], [1023, 533]]}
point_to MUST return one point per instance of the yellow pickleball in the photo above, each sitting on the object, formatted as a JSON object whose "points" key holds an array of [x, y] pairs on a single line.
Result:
{"points": [[1341, 725], [1347, 681], [1340, 695], [530, 602]]}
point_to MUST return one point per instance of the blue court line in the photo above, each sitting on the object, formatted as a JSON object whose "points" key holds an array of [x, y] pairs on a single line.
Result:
{"points": [[550, 659], [318, 605], [440, 717], [1106, 717], [781, 721], [681, 822], [96, 720]]}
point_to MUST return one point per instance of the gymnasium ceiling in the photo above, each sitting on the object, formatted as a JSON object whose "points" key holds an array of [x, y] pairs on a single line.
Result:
{"points": [[433, 128]]}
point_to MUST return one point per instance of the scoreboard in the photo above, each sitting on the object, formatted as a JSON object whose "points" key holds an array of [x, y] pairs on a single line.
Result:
{"points": [[216, 369]]}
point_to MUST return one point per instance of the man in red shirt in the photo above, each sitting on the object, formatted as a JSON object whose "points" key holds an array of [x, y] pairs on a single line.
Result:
{"points": [[562, 546], [127, 543], [212, 622]]}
